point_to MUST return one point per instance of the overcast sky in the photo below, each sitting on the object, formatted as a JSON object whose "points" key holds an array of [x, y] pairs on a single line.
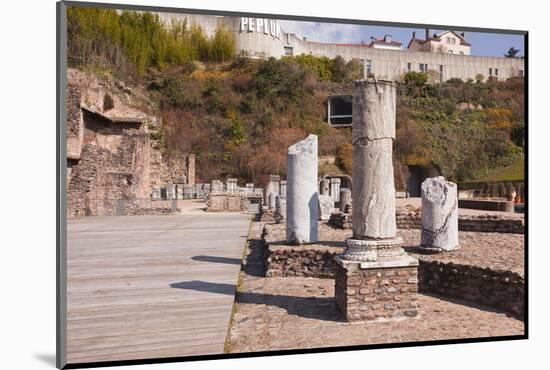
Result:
{"points": [[486, 44]]}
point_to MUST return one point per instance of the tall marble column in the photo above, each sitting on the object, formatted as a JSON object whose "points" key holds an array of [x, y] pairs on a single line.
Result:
{"points": [[302, 207], [374, 251]]}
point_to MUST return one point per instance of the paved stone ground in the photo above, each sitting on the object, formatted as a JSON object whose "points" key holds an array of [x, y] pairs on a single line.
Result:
{"points": [[291, 313], [497, 251]]}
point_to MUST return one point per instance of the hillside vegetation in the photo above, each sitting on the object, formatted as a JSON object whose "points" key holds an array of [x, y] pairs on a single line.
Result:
{"points": [[239, 115]]}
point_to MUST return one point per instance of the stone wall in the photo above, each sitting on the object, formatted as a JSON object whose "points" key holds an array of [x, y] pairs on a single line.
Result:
{"points": [[230, 201], [377, 293], [301, 261], [411, 219], [110, 153], [501, 289]]}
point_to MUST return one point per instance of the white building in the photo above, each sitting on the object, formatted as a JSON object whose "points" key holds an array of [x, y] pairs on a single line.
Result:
{"points": [[446, 42], [263, 38]]}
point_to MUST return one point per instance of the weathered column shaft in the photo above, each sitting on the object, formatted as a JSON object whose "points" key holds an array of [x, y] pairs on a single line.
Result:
{"points": [[335, 188], [272, 186], [324, 187], [373, 186], [439, 215], [302, 209], [345, 199]]}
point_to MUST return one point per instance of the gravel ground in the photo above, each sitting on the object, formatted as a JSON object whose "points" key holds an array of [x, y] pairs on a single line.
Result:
{"points": [[293, 313]]}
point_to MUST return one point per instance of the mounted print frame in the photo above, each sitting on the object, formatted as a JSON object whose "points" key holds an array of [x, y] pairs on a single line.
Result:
{"points": [[235, 184]]}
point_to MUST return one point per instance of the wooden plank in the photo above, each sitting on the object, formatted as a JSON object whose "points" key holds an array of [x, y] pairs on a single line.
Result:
{"points": [[148, 287]]}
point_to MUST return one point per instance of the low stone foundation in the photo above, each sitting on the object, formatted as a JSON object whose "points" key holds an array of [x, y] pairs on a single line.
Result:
{"points": [[268, 215], [340, 220], [376, 293], [412, 219], [501, 289], [302, 261], [230, 201]]}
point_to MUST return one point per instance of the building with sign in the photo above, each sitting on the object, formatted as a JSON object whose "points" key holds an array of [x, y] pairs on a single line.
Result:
{"points": [[444, 55]]}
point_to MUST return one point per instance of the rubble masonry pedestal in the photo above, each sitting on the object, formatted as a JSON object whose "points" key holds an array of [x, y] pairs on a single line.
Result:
{"points": [[382, 286]]}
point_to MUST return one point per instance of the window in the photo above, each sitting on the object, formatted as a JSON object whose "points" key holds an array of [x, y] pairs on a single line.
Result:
{"points": [[490, 71], [453, 41], [289, 50], [461, 53], [423, 67], [496, 72], [520, 73], [408, 67], [448, 40], [368, 67], [340, 110], [450, 52]]}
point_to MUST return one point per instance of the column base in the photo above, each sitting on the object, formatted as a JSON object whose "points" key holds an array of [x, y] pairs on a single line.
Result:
{"points": [[376, 280]]}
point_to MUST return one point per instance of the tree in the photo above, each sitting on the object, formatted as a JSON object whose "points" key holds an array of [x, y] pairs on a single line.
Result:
{"points": [[512, 53]]}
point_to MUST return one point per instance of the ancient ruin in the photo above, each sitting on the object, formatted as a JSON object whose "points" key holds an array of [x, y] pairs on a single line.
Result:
{"points": [[374, 268], [439, 215], [302, 210]]}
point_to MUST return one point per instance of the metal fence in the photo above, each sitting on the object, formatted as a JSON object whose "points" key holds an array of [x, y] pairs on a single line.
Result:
{"points": [[120, 207]]}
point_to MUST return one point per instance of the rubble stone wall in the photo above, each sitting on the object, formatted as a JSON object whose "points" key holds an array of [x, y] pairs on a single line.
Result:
{"points": [[377, 293], [413, 220], [229, 201], [501, 289]]}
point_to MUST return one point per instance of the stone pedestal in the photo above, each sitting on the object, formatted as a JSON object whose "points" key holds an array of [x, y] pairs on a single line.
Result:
{"points": [[367, 291], [439, 215], [302, 207]]}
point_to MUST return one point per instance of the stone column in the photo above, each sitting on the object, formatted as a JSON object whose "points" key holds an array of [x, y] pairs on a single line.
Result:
{"points": [[271, 201], [325, 187], [326, 206], [216, 187], [171, 191], [191, 169], [302, 208], [439, 215], [280, 208], [272, 186], [345, 199], [155, 194], [374, 272], [283, 188], [335, 188]]}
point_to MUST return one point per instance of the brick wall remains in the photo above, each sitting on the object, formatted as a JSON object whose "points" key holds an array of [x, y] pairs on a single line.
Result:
{"points": [[501, 289], [378, 293]]}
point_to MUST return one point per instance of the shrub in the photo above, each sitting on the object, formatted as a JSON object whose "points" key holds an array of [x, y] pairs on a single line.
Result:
{"points": [[344, 158]]}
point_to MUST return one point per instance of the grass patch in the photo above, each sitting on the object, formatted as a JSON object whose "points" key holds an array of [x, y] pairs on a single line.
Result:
{"points": [[513, 172]]}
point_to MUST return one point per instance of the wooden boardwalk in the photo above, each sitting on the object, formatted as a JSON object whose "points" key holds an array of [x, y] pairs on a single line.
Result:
{"points": [[151, 286]]}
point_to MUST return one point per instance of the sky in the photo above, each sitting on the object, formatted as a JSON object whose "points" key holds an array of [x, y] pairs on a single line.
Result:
{"points": [[483, 44]]}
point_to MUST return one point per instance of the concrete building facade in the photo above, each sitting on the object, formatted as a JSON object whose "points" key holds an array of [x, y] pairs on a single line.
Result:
{"points": [[264, 38]]}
